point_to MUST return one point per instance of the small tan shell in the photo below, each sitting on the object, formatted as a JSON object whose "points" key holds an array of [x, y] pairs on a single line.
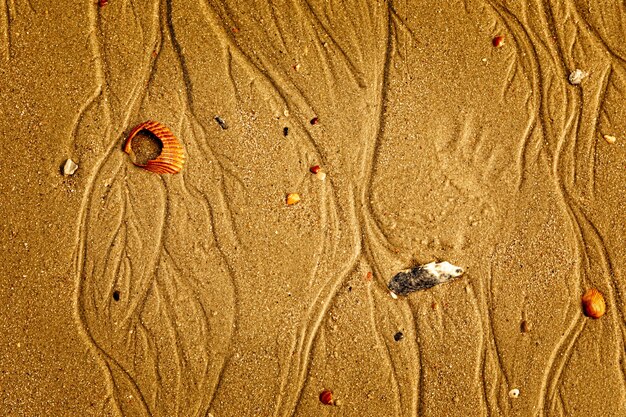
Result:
{"points": [[172, 156], [593, 303], [610, 138]]}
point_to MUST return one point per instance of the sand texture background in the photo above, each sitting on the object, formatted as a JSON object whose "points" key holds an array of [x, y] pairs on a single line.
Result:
{"points": [[436, 145]]}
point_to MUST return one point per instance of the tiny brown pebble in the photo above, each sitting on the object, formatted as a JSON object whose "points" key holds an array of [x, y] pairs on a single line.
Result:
{"points": [[434, 305], [315, 121], [315, 169], [524, 326], [235, 30], [398, 336], [498, 41], [326, 397], [103, 3]]}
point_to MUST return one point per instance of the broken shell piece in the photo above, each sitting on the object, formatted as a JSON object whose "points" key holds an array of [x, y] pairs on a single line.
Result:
{"points": [[498, 41], [172, 156], [70, 167], [610, 139], [577, 76], [514, 393], [317, 171], [423, 277], [326, 397], [593, 303], [293, 198]]}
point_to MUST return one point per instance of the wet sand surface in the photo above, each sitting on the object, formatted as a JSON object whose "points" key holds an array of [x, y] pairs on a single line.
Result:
{"points": [[202, 293]]}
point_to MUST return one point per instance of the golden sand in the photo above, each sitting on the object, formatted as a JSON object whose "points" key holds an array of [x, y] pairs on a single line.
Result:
{"points": [[125, 292]]}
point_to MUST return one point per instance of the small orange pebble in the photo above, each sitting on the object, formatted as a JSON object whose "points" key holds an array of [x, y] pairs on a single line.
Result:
{"points": [[315, 121], [103, 3], [172, 156], [593, 303], [369, 276], [326, 397], [498, 41], [234, 29], [315, 169], [293, 198]]}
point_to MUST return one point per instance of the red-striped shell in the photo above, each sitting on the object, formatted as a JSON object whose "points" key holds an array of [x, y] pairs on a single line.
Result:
{"points": [[172, 156], [326, 397]]}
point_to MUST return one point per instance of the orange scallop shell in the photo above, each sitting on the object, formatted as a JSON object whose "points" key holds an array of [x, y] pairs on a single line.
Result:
{"points": [[172, 156], [593, 303]]}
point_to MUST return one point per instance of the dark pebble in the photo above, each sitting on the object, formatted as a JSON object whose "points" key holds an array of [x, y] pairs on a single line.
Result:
{"points": [[221, 122], [285, 131], [524, 326], [116, 295], [398, 336]]}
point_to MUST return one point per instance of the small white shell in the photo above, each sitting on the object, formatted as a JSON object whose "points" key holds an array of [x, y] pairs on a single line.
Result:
{"points": [[514, 393]]}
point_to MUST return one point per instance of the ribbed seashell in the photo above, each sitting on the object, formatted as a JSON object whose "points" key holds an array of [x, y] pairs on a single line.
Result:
{"points": [[172, 156], [593, 303], [326, 397]]}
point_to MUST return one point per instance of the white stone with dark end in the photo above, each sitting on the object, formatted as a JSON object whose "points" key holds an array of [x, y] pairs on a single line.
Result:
{"points": [[423, 277]]}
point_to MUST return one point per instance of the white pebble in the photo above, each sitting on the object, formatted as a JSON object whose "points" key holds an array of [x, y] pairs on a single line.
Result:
{"points": [[70, 167], [577, 76], [514, 393]]}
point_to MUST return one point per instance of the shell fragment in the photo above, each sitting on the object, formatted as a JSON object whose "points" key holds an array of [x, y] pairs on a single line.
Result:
{"points": [[70, 167]]}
